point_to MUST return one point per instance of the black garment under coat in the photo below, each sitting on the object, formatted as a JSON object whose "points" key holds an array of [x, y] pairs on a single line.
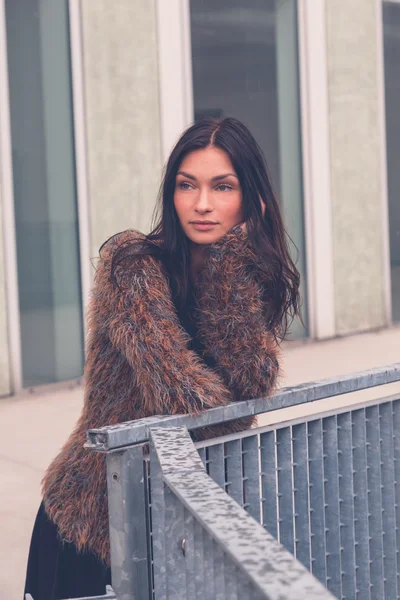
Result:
{"points": [[55, 569]]}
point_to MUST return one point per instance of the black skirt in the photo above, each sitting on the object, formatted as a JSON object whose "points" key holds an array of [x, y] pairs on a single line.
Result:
{"points": [[56, 570]]}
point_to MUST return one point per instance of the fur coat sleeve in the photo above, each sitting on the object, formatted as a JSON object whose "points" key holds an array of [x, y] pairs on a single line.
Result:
{"points": [[232, 319]]}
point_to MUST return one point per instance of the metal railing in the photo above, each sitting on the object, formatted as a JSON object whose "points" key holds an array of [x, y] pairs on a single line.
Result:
{"points": [[326, 487]]}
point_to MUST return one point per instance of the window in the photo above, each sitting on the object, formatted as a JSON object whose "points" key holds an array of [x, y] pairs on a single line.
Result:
{"points": [[44, 190], [391, 33], [245, 65]]}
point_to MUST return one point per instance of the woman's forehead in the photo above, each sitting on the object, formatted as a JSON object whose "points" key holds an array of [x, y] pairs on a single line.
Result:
{"points": [[207, 162]]}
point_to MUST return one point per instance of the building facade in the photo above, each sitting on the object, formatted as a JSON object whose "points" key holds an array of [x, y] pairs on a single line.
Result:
{"points": [[93, 96]]}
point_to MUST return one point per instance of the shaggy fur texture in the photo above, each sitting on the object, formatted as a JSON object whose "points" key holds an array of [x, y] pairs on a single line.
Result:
{"points": [[232, 318], [138, 364]]}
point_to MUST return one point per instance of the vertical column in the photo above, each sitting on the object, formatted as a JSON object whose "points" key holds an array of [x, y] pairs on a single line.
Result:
{"points": [[10, 351], [356, 168], [122, 108]]}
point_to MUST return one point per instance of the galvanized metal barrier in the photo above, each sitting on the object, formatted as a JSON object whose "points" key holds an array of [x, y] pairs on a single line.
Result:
{"points": [[326, 487]]}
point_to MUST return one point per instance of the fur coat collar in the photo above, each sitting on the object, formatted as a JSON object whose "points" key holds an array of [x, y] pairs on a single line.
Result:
{"points": [[138, 364]]}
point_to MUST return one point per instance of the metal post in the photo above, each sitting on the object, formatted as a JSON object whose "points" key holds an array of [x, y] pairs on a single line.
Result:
{"points": [[168, 520], [128, 534]]}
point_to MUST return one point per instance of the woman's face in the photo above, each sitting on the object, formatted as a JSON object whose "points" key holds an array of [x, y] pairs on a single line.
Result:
{"points": [[208, 196]]}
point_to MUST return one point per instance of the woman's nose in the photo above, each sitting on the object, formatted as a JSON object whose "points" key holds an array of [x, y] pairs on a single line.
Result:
{"points": [[204, 203]]}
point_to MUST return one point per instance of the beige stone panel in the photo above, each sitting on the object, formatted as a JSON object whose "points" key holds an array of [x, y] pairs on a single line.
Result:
{"points": [[355, 144], [122, 114], [4, 349]]}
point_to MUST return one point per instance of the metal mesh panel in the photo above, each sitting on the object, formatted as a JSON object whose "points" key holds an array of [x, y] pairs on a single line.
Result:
{"points": [[328, 490]]}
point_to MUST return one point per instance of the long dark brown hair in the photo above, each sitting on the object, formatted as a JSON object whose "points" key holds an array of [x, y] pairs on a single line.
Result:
{"points": [[266, 233]]}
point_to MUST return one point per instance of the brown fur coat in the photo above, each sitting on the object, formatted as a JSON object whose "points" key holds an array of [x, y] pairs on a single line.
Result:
{"points": [[139, 364]]}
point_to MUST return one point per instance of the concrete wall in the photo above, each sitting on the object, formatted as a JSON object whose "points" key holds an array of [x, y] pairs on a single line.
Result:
{"points": [[355, 141], [122, 111], [4, 350]]}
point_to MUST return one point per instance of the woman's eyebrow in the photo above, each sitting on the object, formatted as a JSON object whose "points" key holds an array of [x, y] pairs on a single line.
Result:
{"points": [[216, 178], [186, 175], [219, 177]]}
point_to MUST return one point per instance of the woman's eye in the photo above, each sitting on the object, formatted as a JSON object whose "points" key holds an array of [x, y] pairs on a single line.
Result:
{"points": [[184, 186], [223, 187]]}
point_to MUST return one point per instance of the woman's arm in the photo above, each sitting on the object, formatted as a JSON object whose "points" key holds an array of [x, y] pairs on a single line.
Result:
{"points": [[232, 318], [140, 319]]}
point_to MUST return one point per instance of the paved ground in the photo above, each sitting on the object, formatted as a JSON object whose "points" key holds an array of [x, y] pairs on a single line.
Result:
{"points": [[34, 426]]}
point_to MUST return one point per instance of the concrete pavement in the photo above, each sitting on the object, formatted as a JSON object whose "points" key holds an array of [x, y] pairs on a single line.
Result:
{"points": [[35, 425]]}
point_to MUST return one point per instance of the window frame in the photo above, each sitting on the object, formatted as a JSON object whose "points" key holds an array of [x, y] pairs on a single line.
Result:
{"points": [[81, 151], [316, 167], [383, 160], [9, 233], [175, 70]]}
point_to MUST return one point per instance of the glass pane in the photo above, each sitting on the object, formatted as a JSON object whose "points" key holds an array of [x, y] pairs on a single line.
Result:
{"points": [[391, 29], [44, 190], [245, 65]]}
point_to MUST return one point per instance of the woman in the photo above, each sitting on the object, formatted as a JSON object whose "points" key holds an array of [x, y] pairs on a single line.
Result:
{"points": [[182, 320]]}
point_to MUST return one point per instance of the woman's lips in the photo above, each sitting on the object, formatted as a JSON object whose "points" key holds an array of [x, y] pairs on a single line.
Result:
{"points": [[203, 226]]}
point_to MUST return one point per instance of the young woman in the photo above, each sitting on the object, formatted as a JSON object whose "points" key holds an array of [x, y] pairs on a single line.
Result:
{"points": [[182, 320]]}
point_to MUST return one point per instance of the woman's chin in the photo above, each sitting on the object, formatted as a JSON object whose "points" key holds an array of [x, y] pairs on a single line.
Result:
{"points": [[204, 237]]}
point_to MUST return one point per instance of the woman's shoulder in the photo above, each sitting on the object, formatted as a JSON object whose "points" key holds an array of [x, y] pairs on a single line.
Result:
{"points": [[120, 240], [130, 253]]}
